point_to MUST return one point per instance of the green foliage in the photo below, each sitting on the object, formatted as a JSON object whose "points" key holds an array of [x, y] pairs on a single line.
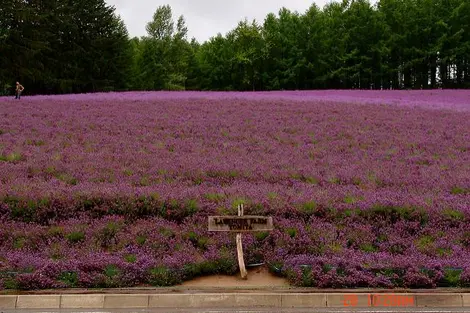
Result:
{"points": [[238, 201], [67, 178], [62, 176], [70, 279], [202, 243], [106, 236], [111, 271], [350, 199], [55, 231], [198, 241], [451, 277], [57, 56], [292, 232], [25, 210], [307, 277], [141, 239], [453, 215], [348, 213], [12, 157], [223, 265], [309, 207], [10, 283], [311, 180], [456, 190], [23, 213], [75, 237], [397, 249], [166, 232], [215, 197], [444, 252], [260, 236], [56, 252], [5, 90], [368, 247], [144, 181], [162, 276], [425, 244], [19, 242], [346, 44], [130, 258], [162, 26], [36, 143], [394, 214], [128, 172], [191, 207]]}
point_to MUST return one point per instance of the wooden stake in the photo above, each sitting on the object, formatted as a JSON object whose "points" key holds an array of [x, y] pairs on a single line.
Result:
{"points": [[240, 224], [241, 261]]}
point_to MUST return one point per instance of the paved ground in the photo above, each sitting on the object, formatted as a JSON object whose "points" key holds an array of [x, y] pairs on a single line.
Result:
{"points": [[265, 310]]}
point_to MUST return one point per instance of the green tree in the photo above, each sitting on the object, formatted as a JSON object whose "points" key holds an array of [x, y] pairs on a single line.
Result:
{"points": [[248, 55], [214, 59], [363, 36], [286, 37], [57, 46], [165, 54], [334, 36], [54, 46], [162, 26]]}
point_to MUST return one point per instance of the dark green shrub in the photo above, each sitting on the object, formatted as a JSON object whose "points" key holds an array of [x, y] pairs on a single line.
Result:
{"points": [[75, 237], [69, 278], [130, 258], [162, 276]]}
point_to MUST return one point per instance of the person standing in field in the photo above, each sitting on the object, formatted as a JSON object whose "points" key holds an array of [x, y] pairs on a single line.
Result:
{"points": [[19, 90]]}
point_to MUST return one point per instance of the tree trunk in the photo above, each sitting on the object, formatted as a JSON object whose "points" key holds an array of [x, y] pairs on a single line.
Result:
{"points": [[459, 73], [433, 71], [443, 74], [425, 76], [407, 80]]}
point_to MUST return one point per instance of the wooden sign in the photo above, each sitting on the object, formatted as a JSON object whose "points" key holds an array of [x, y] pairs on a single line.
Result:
{"points": [[239, 224], [246, 223]]}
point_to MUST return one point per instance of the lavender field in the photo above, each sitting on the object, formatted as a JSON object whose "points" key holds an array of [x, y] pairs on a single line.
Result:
{"points": [[367, 188]]}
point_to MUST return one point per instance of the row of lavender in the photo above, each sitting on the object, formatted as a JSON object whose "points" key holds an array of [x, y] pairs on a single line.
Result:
{"points": [[390, 249], [115, 191], [455, 100], [304, 149]]}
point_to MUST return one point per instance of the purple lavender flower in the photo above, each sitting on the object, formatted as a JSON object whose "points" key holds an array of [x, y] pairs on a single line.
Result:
{"points": [[367, 188]]}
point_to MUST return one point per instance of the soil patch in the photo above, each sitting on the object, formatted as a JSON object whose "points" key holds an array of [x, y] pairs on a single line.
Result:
{"points": [[259, 276]]}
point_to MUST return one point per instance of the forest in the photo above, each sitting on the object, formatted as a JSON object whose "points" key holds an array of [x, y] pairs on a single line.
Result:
{"points": [[78, 46]]}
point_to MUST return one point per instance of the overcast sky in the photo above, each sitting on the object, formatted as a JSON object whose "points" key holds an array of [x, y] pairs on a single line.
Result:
{"points": [[204, 18]]}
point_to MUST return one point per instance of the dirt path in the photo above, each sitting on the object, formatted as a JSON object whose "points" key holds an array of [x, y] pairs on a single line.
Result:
{"points": [[259, 276]]}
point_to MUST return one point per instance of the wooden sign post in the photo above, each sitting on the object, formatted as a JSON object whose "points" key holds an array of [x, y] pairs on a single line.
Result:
{"points": [[239, 224]]}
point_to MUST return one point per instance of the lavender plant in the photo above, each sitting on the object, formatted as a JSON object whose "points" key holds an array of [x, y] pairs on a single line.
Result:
{"points": [[367, 188]]}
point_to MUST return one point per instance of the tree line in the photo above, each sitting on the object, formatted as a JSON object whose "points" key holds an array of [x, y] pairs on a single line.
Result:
{"points": [[65, 46]]}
